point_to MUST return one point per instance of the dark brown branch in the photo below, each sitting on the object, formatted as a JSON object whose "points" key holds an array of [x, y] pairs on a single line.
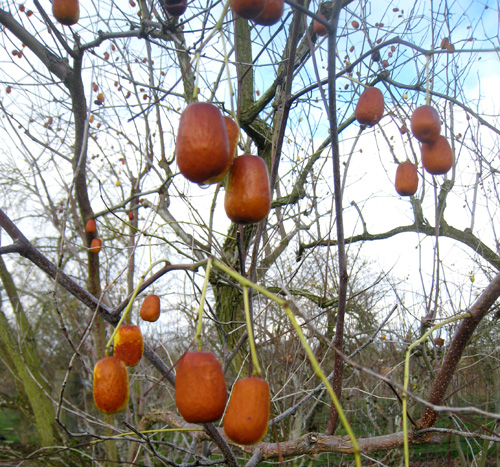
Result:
{"points": [[464, 332]]}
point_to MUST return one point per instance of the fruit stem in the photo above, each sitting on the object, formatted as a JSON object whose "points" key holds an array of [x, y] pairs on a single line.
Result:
{"points": [[202, 304], [131, 301], [317, 369], [253, 352], [407, 378]]}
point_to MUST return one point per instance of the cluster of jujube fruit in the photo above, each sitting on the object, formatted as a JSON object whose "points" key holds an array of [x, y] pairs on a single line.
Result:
{"points": [[206, 151], [96, 242], [200, 385], [111, 386], [435, 150]]}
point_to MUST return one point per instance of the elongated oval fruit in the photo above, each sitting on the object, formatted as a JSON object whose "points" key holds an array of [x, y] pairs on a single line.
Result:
{"points": [[318, 28], [202, 147], [425, 124], [91, 226], [95, 245], [247, 413], [406, 179], [437, 158], [248, 9], [370, 107], [67, 12], [233, 133], [128, 344], [200, 387], [272, 13], [248, 194], [110, 388], [150, 308]]}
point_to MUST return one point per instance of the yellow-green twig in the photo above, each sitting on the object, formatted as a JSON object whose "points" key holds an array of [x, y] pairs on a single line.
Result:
{"points": [[202, 304], [251, 340], [407, 378]]}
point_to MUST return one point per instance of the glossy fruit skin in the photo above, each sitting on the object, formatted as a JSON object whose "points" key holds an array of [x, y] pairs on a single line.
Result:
{"points": [[176, 7], [247, 414], [91, 226], [200, 387], [248, 9], [272, 13], [110, 388], [437, 158], [248, 194], [202, 147], [370, 107], [233, 134], [425, 124], [67, 12], [128, 344], [320, 29], [95, 245], [150, 308], [406, 179]]}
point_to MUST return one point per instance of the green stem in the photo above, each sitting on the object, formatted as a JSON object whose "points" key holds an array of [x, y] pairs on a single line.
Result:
{"points": [[317, 369], [253, 352], [131, 301], [407, 378], [202, 304]]}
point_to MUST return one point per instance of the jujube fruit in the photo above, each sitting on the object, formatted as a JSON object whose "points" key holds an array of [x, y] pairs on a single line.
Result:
{"points": [[110, 387], [150, 308], [406, 179], [67, 12], [320, 29], [233, 133], [425, 124], [202, 147], [200, 387], [272, 13], [176, 7], [248, 9], [437, 158], [91, 226], [128, 344], [247, 414], [370, 107], [248, 194], [95, 245]]}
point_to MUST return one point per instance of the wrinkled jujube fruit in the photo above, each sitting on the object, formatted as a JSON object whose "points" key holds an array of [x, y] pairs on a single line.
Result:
{"points": [[110, 388], [67, 12], [248, 9], [406, 179], [247, 413], [437, 157], [320, 29], [425, 124], [200, 387], [233, 133], [272, 13], [248, 194], [370, 107], [202, 147], [150, 308], [128, 344]]}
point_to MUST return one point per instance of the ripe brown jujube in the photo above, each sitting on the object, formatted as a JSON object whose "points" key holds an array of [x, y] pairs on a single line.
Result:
{"points": [[370, 107], [247, 414], [406, 179], [425, 124], [200, 387], [128, 344], [110, 387], [202, 146], [437, 157]]}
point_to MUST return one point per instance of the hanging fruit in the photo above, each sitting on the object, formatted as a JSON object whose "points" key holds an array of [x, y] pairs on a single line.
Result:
{"points": [[110, 387], [67, 12], [247, 414], [200, 387], [437, 157], [150, 308], [406, 179], [128, 344], [370, 107], [425, 124]]}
